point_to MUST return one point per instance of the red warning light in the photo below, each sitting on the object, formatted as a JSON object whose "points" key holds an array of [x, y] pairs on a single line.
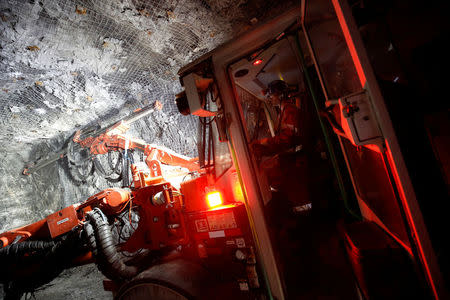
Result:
{"points": [[257, 62], [214, 199]]}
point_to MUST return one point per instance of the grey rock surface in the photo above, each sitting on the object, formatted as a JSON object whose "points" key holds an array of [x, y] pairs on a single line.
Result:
{"points": [[85, 283]]}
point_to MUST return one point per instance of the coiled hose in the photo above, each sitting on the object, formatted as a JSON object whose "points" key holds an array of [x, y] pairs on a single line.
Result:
{"points": [[20, 249], [109, 262], [47, 258]]}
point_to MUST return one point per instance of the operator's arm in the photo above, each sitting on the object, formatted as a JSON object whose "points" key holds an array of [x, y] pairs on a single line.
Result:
{"points": [[286, 137]]}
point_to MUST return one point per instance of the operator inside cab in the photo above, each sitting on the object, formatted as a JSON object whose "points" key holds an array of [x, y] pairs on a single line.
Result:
{"points": [[281, 157], [286, 123]]}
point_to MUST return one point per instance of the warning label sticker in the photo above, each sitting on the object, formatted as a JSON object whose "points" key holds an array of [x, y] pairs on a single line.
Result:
{"points": [[201, 225], [62, 221], [221, 221]]}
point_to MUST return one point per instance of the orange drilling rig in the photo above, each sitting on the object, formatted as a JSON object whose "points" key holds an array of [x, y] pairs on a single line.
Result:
{"points": [[177, 229]]}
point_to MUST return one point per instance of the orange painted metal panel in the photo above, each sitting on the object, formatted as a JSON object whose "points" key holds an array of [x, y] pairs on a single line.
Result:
{"points": [[62, 221]]}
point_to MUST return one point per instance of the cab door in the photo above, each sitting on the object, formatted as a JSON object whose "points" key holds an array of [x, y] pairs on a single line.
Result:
{"points": [[366, 135]]}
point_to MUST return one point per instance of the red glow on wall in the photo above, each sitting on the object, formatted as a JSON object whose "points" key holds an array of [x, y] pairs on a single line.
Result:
{"points": [[350, 42]]}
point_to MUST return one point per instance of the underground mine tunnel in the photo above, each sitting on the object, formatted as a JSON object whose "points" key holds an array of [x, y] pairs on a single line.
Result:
{"points": [[223, 149]]}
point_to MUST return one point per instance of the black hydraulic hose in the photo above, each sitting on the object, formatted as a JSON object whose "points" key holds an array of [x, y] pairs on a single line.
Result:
{"points": [[50, 260], [30, 248], [116, 167], [109, 262], [89, 234], [125, 172], [98, 166], [20, 249]]}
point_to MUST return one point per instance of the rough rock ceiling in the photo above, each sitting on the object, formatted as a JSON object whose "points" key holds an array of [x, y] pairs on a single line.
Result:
{"points": [[65, 64]]}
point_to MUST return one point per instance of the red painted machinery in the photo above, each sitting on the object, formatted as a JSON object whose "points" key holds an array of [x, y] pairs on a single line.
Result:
{"points": [[191, 225]]}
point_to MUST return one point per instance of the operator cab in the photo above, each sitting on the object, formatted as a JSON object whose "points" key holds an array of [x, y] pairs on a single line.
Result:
{"points": [[301, 203], [270, 87], [296, 120]]}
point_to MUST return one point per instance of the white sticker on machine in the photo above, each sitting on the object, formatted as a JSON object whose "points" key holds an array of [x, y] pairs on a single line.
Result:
{"points": [[216, 234], [243, 286], [230, 243], [62, 221], [240, 242], [201, 225], [221, 221]]}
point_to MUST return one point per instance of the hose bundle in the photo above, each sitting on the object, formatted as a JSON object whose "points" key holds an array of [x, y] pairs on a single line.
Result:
{"points": [[20, 249], [56, 256], [103, 246], [45, 258]]}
